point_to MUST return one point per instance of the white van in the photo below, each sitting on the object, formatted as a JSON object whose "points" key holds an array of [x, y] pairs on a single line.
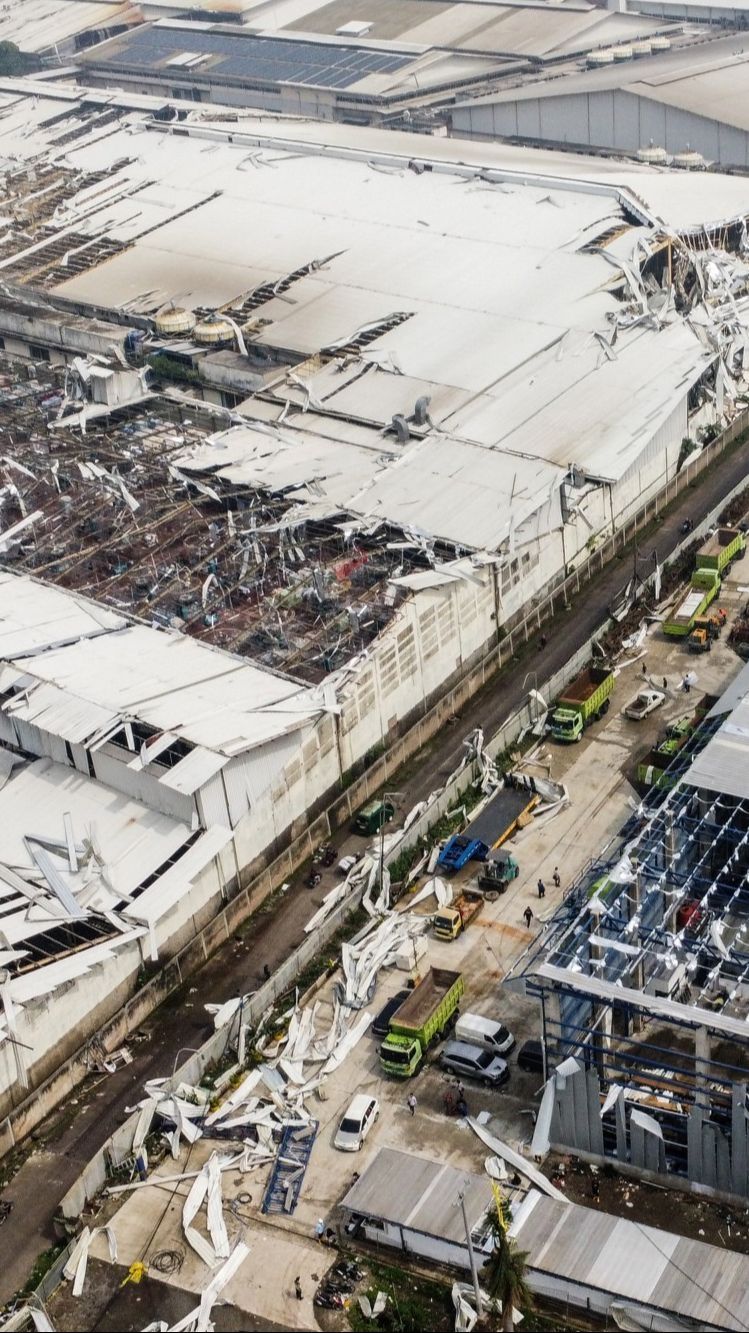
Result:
{"points": [[485, 1032]]}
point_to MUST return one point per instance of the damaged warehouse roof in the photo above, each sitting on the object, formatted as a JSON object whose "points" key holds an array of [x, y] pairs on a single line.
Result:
{"points": [[67, 25], [177, 688], [424, 318]]}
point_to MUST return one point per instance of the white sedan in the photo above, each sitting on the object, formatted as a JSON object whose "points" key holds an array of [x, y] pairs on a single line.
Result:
{"points": [[356, 1123]]}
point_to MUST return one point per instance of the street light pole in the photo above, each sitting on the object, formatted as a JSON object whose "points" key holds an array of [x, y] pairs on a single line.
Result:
{"points": [[471, 1256], [386, 796]]}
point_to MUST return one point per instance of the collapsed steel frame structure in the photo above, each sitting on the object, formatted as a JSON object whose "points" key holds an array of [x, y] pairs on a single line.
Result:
{"points": [[643, 981]]}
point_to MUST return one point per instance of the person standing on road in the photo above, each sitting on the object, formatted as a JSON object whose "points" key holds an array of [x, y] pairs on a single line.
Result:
{"points": [[298, 1288], [665, 683], [528, 917], [557, 878], [541, 889], [644, 669], [411, 1103], [319, 1229]]}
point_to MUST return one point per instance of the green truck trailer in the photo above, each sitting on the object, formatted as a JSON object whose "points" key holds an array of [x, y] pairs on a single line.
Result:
{"points": [[703, 590], [586, 699], [430, 1012], [720, 550]]}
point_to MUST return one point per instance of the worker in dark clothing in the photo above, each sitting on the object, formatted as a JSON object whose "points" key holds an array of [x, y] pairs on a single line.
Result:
{"points": [[644, 670], [298, 1288], [665, 683], [557, 878], [595, 1187], [266, 971], [528, 916], [541, 889]]}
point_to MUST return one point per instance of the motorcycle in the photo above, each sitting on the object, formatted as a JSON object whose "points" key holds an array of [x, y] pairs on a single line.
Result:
{"points": [[313, 879], [686, 526], [326, 855]]}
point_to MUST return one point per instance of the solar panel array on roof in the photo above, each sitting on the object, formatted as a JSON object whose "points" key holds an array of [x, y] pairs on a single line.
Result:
{"points": [[269, 59]]}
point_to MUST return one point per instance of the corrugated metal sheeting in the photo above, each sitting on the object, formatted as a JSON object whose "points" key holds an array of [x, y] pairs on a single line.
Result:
{"points": [[419, 1194], [657, 1269]]}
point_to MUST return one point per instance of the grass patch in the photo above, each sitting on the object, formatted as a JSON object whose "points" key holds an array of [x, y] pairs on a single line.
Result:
{"points": [[414, 1303], [41, 1268]]}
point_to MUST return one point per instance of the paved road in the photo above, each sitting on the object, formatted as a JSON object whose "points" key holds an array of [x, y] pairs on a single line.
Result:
{"points": [[86, 1122]]}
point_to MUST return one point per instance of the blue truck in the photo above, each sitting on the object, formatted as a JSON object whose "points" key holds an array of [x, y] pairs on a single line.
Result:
{"points": [[459, 850]]}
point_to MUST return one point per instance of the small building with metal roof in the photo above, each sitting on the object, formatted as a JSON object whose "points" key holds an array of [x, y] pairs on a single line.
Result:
{"points": [[413, 1204]]}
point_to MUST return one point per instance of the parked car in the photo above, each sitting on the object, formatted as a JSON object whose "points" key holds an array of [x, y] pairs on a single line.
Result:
{"points": [[644, 703], [531, 1057], [473, 1062], [381, 1025], [356, 1123], [372, 816], [484, 1032]]}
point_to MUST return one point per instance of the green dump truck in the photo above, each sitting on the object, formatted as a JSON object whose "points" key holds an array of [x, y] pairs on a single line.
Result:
{"points": [[720, 550], [584, 700], [430, 1011], [652, 771], [703, 590]]}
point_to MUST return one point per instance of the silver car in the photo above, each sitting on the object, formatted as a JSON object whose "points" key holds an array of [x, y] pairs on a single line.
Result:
{"points": [[473, 1062], [356, 1123]]}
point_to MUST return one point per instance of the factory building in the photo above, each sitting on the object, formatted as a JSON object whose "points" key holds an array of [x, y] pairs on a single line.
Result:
{"points": [[452, 376], [366, 63], [685, 107], [642, 977]]}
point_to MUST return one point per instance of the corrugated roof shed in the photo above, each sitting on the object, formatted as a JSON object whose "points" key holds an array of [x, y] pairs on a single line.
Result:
{"points": [[669, 1273], [723, 765], [415, 1192]]}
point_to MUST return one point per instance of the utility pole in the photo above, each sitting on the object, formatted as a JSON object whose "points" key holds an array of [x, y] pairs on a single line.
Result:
{"points": [[471, 1256], [386, 796]]}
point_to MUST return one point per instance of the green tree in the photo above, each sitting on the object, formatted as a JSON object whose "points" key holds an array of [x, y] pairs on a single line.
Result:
{"points": [[504, 1275]]}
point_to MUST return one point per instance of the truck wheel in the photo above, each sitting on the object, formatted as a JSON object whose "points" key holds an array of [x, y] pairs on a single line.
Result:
{"points": [[727, 570], [605, 707], [491, 895], [487, 1082]]}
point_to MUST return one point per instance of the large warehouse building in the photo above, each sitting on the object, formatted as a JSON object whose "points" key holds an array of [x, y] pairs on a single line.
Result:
{"points": [[452, 374], [684, 105]]}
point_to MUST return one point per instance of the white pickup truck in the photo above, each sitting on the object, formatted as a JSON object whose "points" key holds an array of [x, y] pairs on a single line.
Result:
{"points": [[644, 702]]}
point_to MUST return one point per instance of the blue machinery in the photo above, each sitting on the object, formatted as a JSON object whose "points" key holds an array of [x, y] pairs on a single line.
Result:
{"points": [[285, 1181]]}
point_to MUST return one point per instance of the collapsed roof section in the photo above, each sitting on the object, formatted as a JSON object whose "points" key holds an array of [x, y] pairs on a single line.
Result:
{"points": [[410, 328]]}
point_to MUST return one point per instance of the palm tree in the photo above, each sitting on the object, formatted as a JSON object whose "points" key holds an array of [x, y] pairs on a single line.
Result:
{"points": [[504, 1275]]}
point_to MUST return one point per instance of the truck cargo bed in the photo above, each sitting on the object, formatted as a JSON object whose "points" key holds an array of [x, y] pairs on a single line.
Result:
{"points": [[499, 816], [422, 1001], [586, 684]]}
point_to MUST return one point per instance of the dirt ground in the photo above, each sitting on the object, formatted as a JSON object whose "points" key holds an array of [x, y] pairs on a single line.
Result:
{"points": [[106, 1306], [651, 1205]]}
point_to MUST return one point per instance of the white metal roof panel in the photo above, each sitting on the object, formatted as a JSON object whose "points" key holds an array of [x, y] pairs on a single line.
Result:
{"points": [[654, 1268], [723, 765], [161, 896], [195, 769], [133, 839], [35, 616]]}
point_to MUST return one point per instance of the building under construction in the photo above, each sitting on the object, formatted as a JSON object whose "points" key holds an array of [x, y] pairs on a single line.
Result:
{"points": [[643, 977]]}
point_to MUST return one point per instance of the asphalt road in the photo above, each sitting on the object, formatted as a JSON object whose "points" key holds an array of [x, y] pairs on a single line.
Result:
{"points": [[67, 1142]]}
